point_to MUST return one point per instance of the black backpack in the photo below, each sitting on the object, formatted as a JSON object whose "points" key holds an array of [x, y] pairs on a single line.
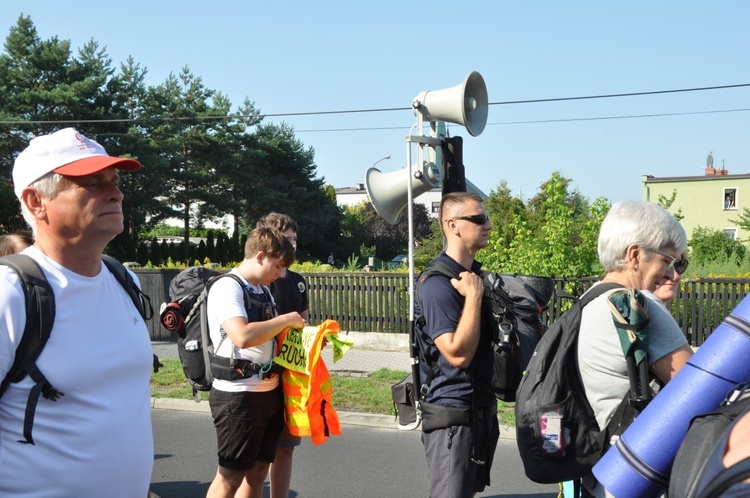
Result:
{"points": [[186, 317], [40, 317], [704, 435], [512, 310], [557, 434]]}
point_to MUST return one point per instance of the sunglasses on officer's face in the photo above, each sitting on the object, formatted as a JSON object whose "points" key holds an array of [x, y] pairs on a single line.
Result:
{"points": [[477, 219], [679, 265]]}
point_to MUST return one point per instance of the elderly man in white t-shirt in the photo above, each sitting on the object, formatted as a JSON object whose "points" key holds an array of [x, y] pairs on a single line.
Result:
{"points": [[95, 440]]}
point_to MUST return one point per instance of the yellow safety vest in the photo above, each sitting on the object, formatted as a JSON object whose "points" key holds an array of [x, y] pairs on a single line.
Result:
{"points": [[306, 382]]}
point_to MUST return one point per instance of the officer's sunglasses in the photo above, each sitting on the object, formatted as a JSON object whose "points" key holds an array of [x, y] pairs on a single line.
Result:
{"points": [[477, 219]]}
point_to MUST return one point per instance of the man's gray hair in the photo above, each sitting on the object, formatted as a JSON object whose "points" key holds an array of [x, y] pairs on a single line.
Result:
{"points": [[47, 186], [634, 222]]}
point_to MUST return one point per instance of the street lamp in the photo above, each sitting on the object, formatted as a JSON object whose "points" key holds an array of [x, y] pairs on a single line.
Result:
{"points": [[379, 160]]}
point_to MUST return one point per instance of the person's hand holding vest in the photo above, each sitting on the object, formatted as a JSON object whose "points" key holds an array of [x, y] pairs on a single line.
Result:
{"points": [[294, 320]]}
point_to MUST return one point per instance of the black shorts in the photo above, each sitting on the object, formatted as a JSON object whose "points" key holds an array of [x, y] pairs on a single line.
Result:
{"points": [[248, 426], [287, 439]]}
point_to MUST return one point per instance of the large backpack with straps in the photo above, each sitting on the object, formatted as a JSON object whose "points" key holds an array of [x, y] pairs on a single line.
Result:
{"points": [[512, 310], [557, 434], [40, 317], [186, 316], [703, 437]]}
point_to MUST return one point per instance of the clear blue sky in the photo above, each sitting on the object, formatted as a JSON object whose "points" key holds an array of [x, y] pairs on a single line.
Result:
{"points": [[302, 56]]}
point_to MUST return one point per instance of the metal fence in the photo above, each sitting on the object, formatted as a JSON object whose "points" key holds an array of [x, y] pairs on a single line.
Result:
{"points": [[379, 302]]}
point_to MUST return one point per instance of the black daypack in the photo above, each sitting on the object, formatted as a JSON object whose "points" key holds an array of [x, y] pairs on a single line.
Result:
{"points": [[705, 433], [186, 316], [40, 317], [511, 309], [557, 434]]}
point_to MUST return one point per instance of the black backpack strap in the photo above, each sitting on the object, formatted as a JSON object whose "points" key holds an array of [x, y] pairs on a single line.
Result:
{"points": [[243, 368], [40, 316], [141, 301], [434, 267], [597, 291], [728, 477]]}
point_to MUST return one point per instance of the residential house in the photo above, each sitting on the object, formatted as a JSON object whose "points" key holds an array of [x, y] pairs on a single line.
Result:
{"points": [[714, 200]]}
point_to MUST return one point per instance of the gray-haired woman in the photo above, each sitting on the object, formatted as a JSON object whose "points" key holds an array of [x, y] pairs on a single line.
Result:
{"points": [[640, 247]]}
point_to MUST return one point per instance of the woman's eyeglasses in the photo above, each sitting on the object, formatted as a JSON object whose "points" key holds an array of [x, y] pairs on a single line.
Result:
{"points": [[477, 219], [679, 265]]}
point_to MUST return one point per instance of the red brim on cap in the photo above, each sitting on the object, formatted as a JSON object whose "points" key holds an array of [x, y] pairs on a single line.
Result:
{"points": [[95, 164]]}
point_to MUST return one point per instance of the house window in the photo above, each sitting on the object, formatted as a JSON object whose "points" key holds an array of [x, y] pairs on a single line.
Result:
{"points": [[730, 198], [435, 207], [731, 233]]}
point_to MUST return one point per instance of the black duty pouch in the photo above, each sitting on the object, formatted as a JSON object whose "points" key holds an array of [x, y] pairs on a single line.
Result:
{"points": [[439, 416]]}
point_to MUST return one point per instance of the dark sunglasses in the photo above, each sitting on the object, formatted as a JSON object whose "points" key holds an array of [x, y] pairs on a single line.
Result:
{"points": [[477, 219], [679, 265]]}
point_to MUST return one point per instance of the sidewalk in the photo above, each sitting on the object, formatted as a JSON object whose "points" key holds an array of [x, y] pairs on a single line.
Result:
{"points": [[360, 360], [357, 361]]}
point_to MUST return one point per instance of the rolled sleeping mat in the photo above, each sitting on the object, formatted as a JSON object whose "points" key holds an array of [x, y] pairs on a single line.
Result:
{"points": [[639, 463]]}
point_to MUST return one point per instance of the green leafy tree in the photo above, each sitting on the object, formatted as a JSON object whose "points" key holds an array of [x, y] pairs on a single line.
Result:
{"points": [[354, 234], [743, 221], [186, 143], [234, 162], [708, 246], [154, 254], [503, 209], [392, 240], [555, 234], [143, 206], [428, 247], [666, 203], [42, 83], [507, 214], [285, 180]]}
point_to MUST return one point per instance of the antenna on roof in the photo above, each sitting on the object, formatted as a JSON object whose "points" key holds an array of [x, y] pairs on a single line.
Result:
{"points": [[710, 159]]}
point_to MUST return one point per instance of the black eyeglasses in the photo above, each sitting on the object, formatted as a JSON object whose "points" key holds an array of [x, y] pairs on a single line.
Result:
{"points": [[477, 219], [679, 265]]}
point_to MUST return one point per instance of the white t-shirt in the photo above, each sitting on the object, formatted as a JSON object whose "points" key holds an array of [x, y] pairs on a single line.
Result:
{"points": [[96, 440], [603, 368], [601, 362], [225, 301]]}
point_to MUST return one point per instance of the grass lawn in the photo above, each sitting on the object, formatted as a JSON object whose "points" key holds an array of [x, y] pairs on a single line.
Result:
{"points": [[370, 394]]}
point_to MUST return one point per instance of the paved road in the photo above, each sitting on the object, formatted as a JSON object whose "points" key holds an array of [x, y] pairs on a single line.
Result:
{"points": [[363, 462]]}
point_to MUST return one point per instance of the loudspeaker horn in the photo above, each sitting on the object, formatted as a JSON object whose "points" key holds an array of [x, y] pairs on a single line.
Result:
{"points": [[389, 192], [465, 104]]}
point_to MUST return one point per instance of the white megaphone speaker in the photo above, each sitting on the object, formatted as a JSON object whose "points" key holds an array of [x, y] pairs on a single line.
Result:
{"points": [[465, 104], [389, 191]]}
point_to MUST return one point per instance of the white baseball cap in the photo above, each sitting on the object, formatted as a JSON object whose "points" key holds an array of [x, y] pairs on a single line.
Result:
{"points": [[66, 152]]}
